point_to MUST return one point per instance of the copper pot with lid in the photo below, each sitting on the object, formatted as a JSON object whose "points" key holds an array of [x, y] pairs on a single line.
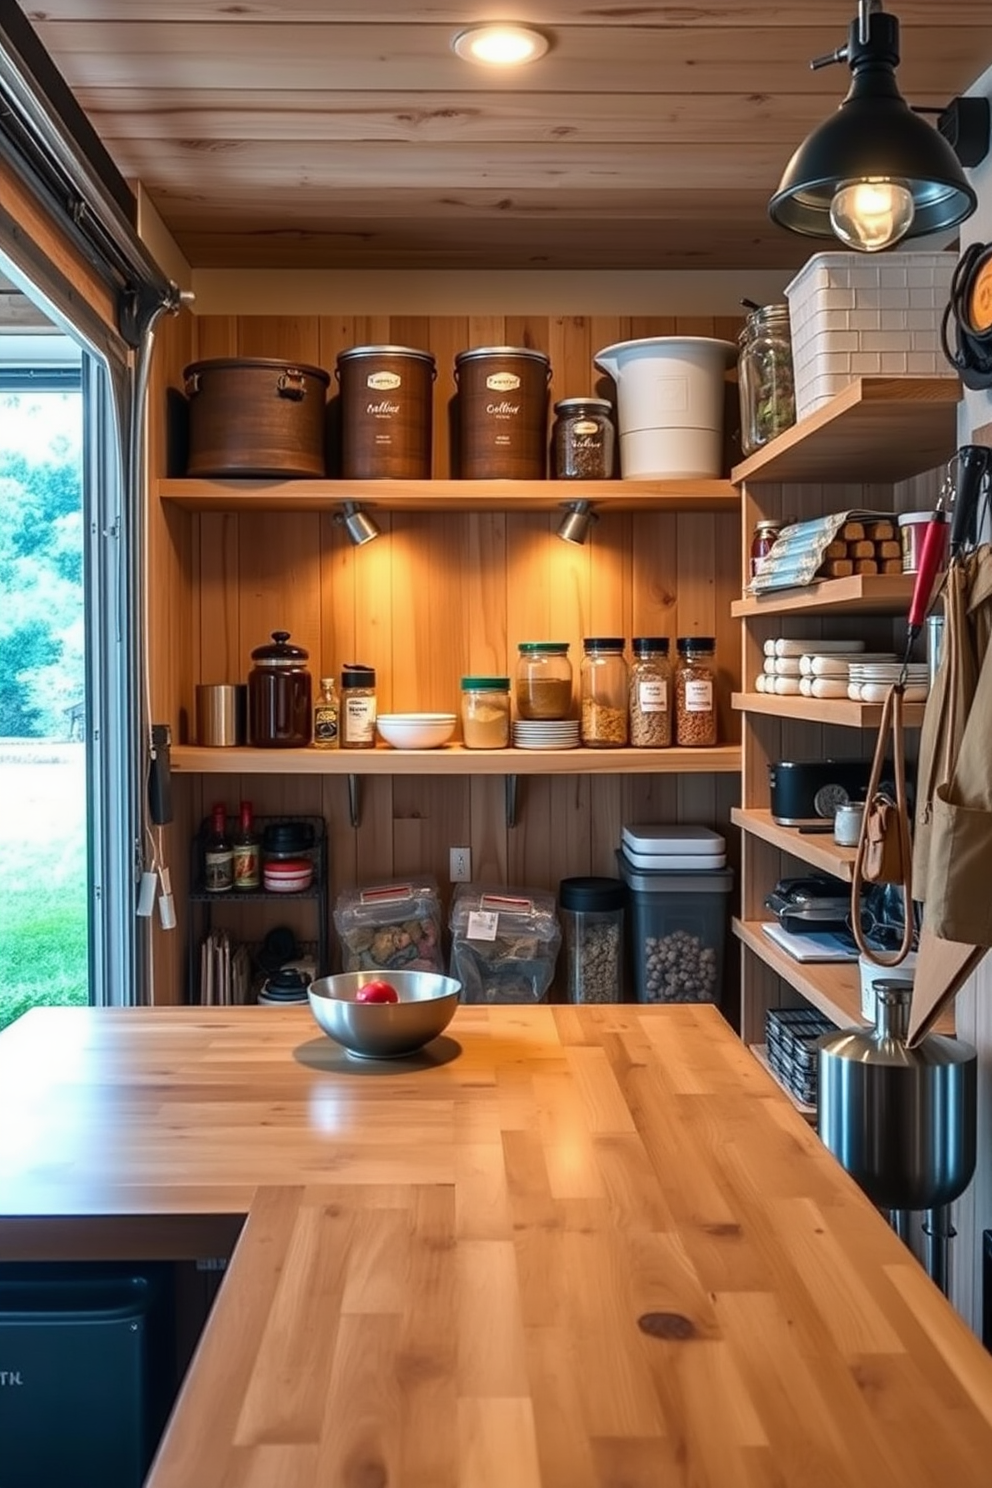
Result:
{"points": [[279, 695]]}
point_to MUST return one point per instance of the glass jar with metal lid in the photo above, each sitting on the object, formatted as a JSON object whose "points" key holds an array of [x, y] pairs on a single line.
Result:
{"points": [[604, 693], [358, 707], [543, 680], [582, 439], [485, 712], [279, 695], [695, 692], [765, 376], [650, 693]]}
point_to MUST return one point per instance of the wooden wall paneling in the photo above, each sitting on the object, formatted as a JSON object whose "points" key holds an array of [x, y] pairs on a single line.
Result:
{"points": [[375, 574], [605, 822], [374, 836], [431, 814], [490, 835], [609, 607], [216, 336], [447, 336], [338, 641], [725, 566], [295, 337], [220, 645], [409, 657], [569, 345], [654, 576], [342, 839], [485, 580], [530, 848], [572, 826], [279, 567]]}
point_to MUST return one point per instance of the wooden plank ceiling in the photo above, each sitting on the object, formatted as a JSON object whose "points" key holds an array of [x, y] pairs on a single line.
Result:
{"points": [[328, 133]]}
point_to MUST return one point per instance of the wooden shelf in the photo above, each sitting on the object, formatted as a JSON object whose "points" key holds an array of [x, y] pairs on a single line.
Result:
{"points": [[453, 759], [838, 711], [833, 987], [760, 1052], [819, 850], [877, 429], [861, 594], [449, 495]]}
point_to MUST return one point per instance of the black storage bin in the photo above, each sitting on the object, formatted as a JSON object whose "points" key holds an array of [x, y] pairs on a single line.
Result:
{"points": [[87, 1365]]}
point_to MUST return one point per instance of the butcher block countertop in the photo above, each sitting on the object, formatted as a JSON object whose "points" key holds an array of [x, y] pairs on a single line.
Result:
{"points": [[566, 1248]]}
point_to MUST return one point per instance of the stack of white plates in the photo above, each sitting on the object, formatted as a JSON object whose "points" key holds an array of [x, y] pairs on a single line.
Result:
{"points": [[535, 734], [868, 682]]}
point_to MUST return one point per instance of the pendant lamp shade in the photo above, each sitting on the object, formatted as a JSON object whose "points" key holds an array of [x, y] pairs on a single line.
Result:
{"points": [[874, 137]]}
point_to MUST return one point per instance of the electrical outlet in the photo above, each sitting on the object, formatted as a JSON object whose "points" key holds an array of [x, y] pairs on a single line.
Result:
{"points": [[461, 865]]}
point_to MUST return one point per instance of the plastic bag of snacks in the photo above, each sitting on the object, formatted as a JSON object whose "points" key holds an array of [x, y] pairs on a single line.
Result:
{"points": [[391, 927], [504, 943]]}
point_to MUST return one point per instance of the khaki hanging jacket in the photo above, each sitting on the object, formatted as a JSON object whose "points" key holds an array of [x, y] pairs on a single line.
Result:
{"points": [[952, 855]]}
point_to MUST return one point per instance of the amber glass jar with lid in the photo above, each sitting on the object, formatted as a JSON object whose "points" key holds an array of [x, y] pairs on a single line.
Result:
{"points": [[766, 530], [543, 683], [279, 695], [485, 712], [765, 377], [582, 439], [695, 692], [604, 693], [650, 693]]}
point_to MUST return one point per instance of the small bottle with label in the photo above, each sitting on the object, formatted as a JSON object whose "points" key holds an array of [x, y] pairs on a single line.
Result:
{"points": [[247, 855], [357, 721], [325, 716], [218, 854]]}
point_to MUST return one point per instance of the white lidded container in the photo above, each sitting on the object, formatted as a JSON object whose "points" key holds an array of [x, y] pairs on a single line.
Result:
{"points": [[670, 403], [665, 847]]}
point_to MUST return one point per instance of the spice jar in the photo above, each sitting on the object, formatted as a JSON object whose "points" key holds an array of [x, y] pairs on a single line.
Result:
{"points": [[357, 720], [765, 376], [325, 716], [592, 931], [604, 693], [695, 692], [279, 695], [763, 540], [582, 439], [543, 680], [650, 694], [485, 712]]}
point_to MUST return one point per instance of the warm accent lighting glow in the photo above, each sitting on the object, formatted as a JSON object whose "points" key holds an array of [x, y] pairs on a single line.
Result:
{"points": [[500, 45]]}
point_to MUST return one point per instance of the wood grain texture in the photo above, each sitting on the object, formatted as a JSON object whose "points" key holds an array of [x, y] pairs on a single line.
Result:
{"points": [[596, 1246], [649, 136]]}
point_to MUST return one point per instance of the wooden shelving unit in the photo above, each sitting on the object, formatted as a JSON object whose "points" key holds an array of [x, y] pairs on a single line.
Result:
{"points": [[841, 712], [877, 429], [833, 987], [819, 851], [760, 1052], [861, 594], [453, 759], [448, 495]]}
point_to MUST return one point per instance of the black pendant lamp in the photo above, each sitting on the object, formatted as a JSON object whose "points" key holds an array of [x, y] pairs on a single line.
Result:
{"points": [[874, 172]]}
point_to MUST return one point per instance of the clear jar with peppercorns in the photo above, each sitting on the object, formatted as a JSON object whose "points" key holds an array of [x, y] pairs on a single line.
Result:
{"points": [[582, 439], [695, 692]]}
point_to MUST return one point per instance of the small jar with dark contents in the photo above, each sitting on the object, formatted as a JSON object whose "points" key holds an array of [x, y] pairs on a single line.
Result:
{"points": [[582, 439]]}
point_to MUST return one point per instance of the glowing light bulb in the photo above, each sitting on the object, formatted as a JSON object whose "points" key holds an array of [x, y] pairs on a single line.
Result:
{"points": [[500, 46], [870, 215]]}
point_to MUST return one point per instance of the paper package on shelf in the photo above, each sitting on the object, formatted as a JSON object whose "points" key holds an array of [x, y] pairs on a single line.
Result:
{"points": [[806, 551]]}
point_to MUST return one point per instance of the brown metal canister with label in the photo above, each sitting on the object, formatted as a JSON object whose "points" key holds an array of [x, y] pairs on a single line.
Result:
{"points": [[502, 413], [386, 412]]}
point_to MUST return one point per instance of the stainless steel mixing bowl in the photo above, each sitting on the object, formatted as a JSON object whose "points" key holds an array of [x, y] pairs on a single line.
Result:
{"points": [[384, 1030]]}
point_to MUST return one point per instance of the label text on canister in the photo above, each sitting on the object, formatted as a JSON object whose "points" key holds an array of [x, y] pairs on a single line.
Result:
{"points": [[502, 382], [503, 410], [384, 382], [382, 409]]}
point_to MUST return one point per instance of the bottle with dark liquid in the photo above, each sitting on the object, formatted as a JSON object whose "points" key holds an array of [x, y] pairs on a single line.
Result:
{"points": [[247, 853], [218, 854]]}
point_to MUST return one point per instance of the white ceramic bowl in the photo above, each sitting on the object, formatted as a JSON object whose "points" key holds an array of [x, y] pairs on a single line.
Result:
{"points": [[416, 730]]}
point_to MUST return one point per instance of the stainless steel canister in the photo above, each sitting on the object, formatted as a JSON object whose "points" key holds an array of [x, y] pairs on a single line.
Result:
{"points": [[221, 713]]}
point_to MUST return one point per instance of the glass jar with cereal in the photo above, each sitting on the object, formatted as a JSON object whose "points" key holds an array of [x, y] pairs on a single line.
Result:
{"points": [[650, 694], [695, 692], [604, 693]]}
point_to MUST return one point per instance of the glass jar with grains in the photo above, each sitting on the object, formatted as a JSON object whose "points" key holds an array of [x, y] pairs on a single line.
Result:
{"points": [[485, 712], [650, 693], [543, 680], [695, 692], [582, 439], [604, 693]]}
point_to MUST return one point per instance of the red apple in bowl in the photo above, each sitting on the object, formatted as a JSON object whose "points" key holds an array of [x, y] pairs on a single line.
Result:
{"points": [[377, 992]]}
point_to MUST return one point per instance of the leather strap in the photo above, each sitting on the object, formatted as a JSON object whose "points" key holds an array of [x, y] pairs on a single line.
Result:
{"points": [[892, 715]]}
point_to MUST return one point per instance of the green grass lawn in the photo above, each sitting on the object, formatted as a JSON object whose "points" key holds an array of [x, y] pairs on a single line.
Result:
{"points": [[43, 931]]}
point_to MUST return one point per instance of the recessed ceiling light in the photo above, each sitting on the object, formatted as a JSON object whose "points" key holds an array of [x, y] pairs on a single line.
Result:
{"points": [[499, 45]]}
